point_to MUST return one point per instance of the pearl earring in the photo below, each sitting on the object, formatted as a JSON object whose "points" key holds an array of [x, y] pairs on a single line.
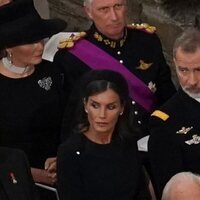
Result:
{"points": [[10, 57], [121, 113]]}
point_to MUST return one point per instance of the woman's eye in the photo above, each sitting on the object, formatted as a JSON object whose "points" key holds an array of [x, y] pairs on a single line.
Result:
{"points": [[111, 107], [197, 70], [94, 105]]}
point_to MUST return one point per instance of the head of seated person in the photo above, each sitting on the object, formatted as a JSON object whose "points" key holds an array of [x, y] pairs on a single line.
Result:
{"points": [[22, 31], [104, 105], [182, 186], [109, 16], [186, 55]]}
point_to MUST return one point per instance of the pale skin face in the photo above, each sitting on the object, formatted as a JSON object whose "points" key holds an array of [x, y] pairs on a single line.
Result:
{"points": [[27, 54], [103, 112], [109, 17], [188, 71]]}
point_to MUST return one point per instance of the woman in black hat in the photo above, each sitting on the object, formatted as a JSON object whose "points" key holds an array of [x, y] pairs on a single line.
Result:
{"points": [[30, 89]]}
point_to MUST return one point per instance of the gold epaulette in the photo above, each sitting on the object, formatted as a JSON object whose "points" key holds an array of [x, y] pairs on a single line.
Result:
{"points": [[143, 27], [71, 40], [160, 114]]}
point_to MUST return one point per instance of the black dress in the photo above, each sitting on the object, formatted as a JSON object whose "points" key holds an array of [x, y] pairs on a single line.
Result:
{"points": [[31, 112], [91, 171]]}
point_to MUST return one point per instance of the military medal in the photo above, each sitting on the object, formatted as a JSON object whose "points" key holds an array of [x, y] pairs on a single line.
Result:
{"points": [[13, 179], [195, 140], [184, 130], [143, 65]]}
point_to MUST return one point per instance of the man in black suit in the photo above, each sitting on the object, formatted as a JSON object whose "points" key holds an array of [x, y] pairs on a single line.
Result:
{"points": [[16, 181]]}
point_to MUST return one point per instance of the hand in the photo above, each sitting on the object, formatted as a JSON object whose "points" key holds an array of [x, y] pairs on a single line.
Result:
{"points": [[50, 165], [42, 176]]}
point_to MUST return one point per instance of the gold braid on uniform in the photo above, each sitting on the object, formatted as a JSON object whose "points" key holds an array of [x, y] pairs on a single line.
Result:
{"points": [[143, 27], [108, 42], [70, 41], [160, 114]]}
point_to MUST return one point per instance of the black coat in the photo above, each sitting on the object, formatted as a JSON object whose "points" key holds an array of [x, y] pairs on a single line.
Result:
{"points": [[138, 46], [14, 167], [91, 171], [171, 148], [30, 115]]}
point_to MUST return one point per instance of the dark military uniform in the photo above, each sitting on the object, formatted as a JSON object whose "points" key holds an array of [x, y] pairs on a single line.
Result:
{"points": [[174, 143], [139, 51], [16, 182]]}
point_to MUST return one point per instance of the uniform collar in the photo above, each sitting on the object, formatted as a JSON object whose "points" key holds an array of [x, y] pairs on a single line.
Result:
{"points": [[99, 37]]}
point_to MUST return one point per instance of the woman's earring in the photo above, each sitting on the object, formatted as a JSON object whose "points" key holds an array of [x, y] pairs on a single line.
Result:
{"points": [[10, 57], [121, 113], [86, 111]]}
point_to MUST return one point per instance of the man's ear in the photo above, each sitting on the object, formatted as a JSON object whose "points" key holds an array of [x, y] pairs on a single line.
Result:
{"points": [[88, 12], [175, 62]]}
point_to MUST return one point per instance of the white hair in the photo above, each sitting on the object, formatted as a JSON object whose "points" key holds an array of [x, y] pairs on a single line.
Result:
{"points": [[87, 2], [176, 180], [188, 41]]}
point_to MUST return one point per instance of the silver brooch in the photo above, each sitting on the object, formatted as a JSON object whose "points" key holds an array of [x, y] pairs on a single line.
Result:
{"points": [[195, 140], [45, 83], [184, 130], [152, 86]]}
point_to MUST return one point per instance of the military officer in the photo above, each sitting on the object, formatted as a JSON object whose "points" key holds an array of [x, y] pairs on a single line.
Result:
{"points": [[16, 181], [174, 143], [136, 48]]}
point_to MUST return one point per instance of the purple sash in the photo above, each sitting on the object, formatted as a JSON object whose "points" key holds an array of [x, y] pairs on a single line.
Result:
{"points": [[96, 58]]}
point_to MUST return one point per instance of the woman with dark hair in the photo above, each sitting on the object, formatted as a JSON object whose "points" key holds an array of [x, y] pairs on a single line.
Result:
{"points": [[30, 88], [99, 160]]}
